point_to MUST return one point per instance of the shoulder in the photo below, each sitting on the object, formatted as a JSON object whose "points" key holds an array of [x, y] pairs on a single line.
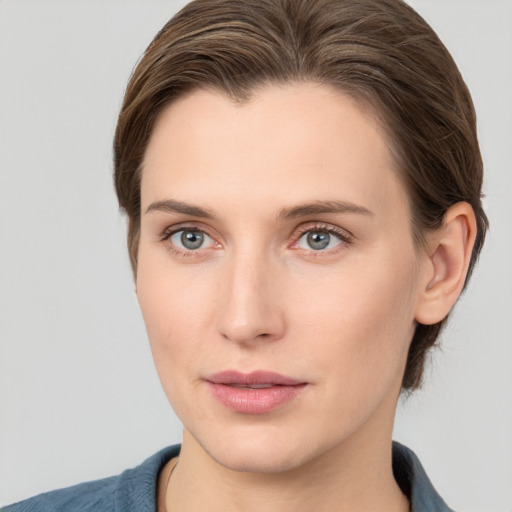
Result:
{"points": [[134, 490], [97, 495], [414, 482]]}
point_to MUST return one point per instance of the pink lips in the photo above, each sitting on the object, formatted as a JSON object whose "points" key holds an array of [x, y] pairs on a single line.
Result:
{"points": [[253, 393]]}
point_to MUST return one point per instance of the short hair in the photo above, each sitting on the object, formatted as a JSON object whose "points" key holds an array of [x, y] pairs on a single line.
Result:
{"points": [[379, 52]]}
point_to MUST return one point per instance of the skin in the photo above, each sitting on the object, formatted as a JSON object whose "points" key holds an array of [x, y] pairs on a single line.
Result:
{"points": [[256, 296]]}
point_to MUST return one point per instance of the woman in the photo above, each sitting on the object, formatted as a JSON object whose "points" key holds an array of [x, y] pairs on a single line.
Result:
{"points": [[302, 181]]}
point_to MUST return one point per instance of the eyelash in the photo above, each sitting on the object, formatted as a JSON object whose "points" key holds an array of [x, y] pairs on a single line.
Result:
{"points": [[343, 236], [169, 232]]}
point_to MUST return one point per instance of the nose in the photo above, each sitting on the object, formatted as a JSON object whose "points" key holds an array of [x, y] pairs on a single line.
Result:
{"points": [[250, 306]]}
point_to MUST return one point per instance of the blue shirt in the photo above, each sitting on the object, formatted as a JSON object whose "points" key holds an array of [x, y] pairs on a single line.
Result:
{"points": [[135, 489]]}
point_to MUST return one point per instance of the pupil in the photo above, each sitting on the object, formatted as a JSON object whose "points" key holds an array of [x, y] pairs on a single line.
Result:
{"points": [[192, 239], [318, 240]]}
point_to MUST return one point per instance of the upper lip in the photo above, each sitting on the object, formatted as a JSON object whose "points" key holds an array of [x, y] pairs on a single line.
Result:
{"points": [[259, 377]]}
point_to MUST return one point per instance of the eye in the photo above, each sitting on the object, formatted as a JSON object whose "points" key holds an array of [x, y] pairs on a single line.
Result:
{"points": [[319, 240], [190, 239]]}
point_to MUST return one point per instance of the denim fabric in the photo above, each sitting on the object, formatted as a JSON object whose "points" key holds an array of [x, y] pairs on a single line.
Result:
{"points": [[135, 489], [414, 482]]}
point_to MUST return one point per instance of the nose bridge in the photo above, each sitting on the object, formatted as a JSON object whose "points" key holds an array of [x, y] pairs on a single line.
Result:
{"points": [[250, 305]]}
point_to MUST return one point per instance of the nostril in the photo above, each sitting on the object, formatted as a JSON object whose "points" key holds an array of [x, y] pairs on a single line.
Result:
{"points": [[246, 337]]}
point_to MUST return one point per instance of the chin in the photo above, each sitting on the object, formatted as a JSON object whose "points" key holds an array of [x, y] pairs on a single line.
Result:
{"points": [[260, 460], [263, 451]]}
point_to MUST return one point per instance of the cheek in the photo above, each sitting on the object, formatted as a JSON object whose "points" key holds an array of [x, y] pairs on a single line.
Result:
{"points": [[176, 310], [178, 307], [360, 320]]}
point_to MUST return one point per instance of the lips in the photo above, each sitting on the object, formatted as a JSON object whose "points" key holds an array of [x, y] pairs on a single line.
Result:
{"points": [[258, 392]]}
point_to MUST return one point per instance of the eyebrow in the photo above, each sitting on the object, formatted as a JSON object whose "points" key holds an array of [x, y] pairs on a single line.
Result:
{"points": [[302, 210], [318, 207], [173, 206]]}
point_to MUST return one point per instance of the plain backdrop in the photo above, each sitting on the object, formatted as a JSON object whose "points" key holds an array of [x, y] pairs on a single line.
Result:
{"points": [[78, 393]]}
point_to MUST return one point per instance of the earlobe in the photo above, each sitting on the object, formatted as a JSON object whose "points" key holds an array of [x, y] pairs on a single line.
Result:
{"points": [[448, 257]]}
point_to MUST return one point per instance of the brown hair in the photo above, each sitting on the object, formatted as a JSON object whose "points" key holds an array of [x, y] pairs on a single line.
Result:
{"points": [[380, 52]]}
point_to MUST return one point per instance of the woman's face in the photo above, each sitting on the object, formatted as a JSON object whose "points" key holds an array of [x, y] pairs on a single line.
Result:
{"points": [[277, 274]]}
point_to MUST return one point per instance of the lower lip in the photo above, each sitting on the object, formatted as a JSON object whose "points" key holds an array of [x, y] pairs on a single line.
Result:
{"points": [[255, 400]]}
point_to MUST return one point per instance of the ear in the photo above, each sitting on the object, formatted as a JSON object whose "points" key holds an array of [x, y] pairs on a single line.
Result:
{"points": [[447, 259]]}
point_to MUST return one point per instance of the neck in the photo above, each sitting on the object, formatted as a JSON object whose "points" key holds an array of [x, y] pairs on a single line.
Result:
{"points": [[354, 477]]}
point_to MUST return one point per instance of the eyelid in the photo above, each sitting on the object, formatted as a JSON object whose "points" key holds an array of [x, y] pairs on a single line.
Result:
{"points": [[166, 235], [168, 231], [345, 237]]}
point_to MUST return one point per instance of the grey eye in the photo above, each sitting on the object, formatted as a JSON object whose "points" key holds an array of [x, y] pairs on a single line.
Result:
{"points": [[318, 240], [190, 239]]}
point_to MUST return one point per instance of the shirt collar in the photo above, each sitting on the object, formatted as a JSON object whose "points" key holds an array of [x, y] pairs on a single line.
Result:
{"points": [[136, 489], [414, 482]]}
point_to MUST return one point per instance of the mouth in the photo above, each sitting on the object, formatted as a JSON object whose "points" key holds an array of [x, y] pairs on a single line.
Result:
{"points": [[257, 392], [252, 386]]}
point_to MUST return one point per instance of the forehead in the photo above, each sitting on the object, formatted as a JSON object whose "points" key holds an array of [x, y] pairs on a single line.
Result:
{"points": [[290, 140]]}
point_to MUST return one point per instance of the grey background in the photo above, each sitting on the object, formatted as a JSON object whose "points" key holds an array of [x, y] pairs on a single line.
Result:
{"points": [[79, 396]]}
